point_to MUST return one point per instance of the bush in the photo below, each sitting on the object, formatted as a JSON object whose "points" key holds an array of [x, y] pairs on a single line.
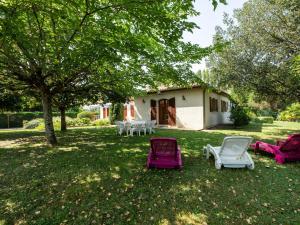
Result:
{"points": [[267, 113], [78, 122], [239, 116], [101, 122], [56, 124], [88, 115], [40, 125], [291, 113], [251, 115], [17, 119], [32, 124], [116, 112], [265, 119]]}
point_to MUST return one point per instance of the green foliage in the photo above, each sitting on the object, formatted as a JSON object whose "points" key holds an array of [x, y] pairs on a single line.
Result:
{"points": [[292, 113], [9, 101], [70, 52], [265, 119], [78, 122], [263, 50], [101, 122], [215, 3], [116, 113], [56, 124], [239, 115], [71, 122], [32, 124], [17, 119], [267, 113], [251, 115], [85, 114]]}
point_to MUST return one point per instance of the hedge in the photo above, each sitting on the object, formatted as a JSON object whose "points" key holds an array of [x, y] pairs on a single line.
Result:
{"points": [[266, 119], [16, 119]]}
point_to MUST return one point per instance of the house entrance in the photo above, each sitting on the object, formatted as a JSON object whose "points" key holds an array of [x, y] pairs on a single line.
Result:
{"points": [[167, 112]]}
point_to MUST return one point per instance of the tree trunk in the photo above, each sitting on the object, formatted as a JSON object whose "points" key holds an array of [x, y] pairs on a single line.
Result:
{"points": [[49, 129], [63, 123]]}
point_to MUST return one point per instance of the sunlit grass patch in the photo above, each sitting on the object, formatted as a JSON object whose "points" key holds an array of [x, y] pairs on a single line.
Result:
{"points": [[96, 177]]}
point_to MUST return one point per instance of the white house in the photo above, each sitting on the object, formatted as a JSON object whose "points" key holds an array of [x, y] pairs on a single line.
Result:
{"points": [[193, 108], [128, 110]]}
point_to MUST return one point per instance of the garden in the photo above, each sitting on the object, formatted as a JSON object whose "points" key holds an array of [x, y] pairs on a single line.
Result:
{"points": [[97, 177], [61, 164]]}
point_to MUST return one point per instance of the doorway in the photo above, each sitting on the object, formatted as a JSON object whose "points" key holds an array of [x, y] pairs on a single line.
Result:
{"points": [[167, 112]]}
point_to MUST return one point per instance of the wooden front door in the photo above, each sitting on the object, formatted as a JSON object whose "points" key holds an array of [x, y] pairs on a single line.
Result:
{"points": [[153, 109], [104, 113], [172, 112], [125, 112], [163, 111]]}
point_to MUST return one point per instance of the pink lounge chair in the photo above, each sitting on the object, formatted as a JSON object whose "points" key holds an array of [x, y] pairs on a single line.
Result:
{"points": [[164, 154], [288, 150]]}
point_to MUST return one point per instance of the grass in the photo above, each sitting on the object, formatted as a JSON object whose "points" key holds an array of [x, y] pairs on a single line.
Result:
{"points": [[96, 177]]}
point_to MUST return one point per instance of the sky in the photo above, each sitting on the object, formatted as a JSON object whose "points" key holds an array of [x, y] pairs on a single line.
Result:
{"points": [[207, 21]]}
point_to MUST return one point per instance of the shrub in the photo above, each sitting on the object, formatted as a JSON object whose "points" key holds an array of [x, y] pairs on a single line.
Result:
{"points": [[56, 124], [88, 115], [239, 116], [101, 122], [267, 113], [32, 124], [265, 119], [251, 115], [116, 112], [17, 119], [291, 113], [77, 122]]}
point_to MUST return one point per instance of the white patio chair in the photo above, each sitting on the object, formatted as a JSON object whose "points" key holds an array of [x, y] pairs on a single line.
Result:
{"points": [[120, 127], [233, 153], [127, 127], [138, 127], [150, 126]]}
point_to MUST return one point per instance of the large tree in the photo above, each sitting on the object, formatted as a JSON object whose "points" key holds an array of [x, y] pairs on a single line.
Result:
{"points": [[46, 45], [262, 52]]}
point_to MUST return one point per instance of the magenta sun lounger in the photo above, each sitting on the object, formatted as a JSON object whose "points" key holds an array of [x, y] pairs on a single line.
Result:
{"points": [[288, 150], [164, 154]]}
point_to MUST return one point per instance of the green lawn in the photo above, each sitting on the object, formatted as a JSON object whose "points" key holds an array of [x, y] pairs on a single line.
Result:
{"points": [[96, 177]]}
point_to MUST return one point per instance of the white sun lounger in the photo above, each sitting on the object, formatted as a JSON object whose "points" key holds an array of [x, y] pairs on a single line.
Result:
{"points": [[233, 153]]}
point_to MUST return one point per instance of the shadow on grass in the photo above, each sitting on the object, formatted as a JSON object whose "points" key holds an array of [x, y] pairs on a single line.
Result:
{"points": [[94, 176]]}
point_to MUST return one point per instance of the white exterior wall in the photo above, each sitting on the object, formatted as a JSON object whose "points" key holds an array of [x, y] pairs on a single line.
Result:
{"points": [[107, 105], [128, 106], [189, 112], [215, 118]]}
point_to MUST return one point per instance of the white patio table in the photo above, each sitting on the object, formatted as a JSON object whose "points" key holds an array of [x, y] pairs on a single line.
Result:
{"points": [[135, 126]]}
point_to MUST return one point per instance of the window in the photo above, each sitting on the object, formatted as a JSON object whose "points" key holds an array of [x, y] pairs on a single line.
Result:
{"points": [[224, 106], [213, 104], [132, 111], [125, 112]]}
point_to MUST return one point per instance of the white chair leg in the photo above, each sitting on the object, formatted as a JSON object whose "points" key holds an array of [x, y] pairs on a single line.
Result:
{"points": [[218, 165], [207, 152], [204, 151]]}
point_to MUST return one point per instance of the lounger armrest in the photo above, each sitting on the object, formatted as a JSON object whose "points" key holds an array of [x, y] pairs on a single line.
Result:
{"points": [[214, 152]]}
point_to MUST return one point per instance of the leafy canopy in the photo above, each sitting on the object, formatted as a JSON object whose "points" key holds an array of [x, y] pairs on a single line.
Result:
{"points": [[262, 53]]}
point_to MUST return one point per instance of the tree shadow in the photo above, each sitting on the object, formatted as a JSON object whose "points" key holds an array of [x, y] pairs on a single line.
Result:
{"points": [[94, 175]]}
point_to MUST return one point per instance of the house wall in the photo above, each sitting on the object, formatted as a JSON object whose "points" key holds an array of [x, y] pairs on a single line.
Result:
{"points": [[189, 112], [215, 118], [128, 110]]}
